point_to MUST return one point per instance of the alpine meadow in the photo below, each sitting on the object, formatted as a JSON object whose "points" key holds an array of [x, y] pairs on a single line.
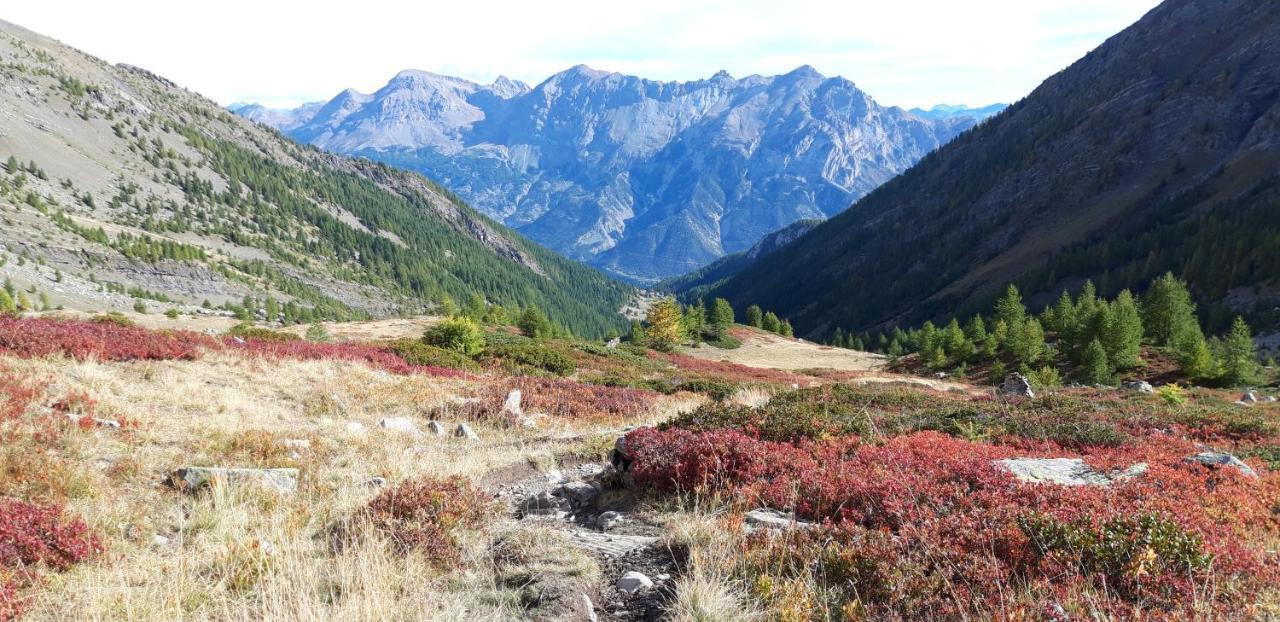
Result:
{"points": [[691, 331]]}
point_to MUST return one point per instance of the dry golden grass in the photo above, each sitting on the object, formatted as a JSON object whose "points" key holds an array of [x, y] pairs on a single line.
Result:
{"points": [[769, 351], [242, 553]]}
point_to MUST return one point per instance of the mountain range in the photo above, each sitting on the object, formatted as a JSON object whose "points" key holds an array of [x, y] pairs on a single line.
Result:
{"points": [[1158, 151], [121, 189], [641, 178]]}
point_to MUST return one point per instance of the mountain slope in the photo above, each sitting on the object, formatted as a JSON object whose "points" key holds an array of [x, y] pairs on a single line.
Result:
{"points": [[644, 179], [695, 284], [1157, 151], [123, 187]]}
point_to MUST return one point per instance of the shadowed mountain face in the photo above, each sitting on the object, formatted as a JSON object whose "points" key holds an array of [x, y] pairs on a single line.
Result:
{"points": [[1157, 151], [644, 179]]}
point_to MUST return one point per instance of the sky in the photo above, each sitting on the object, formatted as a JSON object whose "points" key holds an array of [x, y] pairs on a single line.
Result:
{"points": [[282, 53]]}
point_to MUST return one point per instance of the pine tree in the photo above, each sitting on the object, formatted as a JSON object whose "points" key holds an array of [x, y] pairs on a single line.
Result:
{"points": [[636, 335], [721, 315], [785, 329], [771, 322], [755, 317], [1027, 343], [1167, 310], [475, 307], [1094, 367], [1239, 357], [7, 304], [665, 329], [1064, 315], [1010, 309], [957, 345], [837, 338], [24, 303], [11, 165], [533, 323], [695, 318], [1122, 333]]}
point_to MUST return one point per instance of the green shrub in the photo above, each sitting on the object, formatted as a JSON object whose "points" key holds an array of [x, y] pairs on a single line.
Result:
{"points": [[456, 333], [114, 317], [818, 412], [724, 341], [246, 330], [538, 356], [1172, 394], [317, 333], [718, 391], [1113, 549], [415, 352], [171, 314]]}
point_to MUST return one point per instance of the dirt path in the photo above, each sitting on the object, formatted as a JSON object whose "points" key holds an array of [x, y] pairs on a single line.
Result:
{"points": [[767, 350]]}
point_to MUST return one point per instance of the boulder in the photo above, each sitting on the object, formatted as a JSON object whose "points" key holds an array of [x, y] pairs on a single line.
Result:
{"points": [[1066, 471], [1138, 386], [608, 520], [400, 424], [588, 608], [1270, 399], [579, 493], [633, 582], [1217, 459], [512, 407], [191, 479], [618, 457], [768, 518], [1016, 385], [436, 428], [1249, 397], [613, 343], [464, 431], [545, 504]]}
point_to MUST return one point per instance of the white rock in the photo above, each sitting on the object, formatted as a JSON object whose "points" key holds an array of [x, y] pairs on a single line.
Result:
{"points": [[1138, 386], [768, 518], [1066, 471], [355, 427], [191, 479], [400, 424], [464, 431], [633, 582], [159, 540], [512, 405], [589, 609], [1016, 385], [1249, 397], [436, 428], [608, 520]]}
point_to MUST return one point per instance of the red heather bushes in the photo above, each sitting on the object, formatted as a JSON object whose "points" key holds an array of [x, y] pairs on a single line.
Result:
{"points": [[731, 371], [35, 538], [923, 526], [37, 337], [311, 351], [423, 516], [557, 398]]}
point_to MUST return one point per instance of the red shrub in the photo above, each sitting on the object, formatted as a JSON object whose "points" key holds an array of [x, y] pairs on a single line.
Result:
{"points": [[312, 351], [731, 371], [36, 337], [422, 515], [960, 520], [35, 538]]}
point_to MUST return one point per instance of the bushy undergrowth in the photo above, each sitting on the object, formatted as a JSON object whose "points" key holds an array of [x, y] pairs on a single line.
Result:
{"points": [[373, 356], [924, 526], [108, 341], [36, 539], [424, 516], [246, 330], [531, 356], [416, 352]]}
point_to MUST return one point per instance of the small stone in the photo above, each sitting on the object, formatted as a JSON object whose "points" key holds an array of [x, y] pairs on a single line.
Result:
{"points": [[295, 443], [613, 343], [1270, 399], [1249, 397], [1215, 459], [464, 431], [545, 504], [608, 520], [191, 479], [400, 424], [266, 548], [768, 518], [376, 482], [106, 423], [436, 428], [1138, 386], [159, 540], [633, 582], [589, 609], [1016, 385], [512, 405], [662, 577], [355, 427]]}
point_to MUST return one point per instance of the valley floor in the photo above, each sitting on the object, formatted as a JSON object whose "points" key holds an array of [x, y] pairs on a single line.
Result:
{"points": [[548, 517]]}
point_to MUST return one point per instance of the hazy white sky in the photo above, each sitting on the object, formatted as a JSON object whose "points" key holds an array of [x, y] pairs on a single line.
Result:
{"points": [[902, 52]]}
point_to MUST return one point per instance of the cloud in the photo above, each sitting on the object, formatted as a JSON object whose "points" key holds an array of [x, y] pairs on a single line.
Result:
{"points": [[904, 52]]}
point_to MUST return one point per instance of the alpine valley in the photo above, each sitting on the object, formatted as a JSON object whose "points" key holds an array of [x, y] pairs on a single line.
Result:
{"points": [[640, 178]]}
